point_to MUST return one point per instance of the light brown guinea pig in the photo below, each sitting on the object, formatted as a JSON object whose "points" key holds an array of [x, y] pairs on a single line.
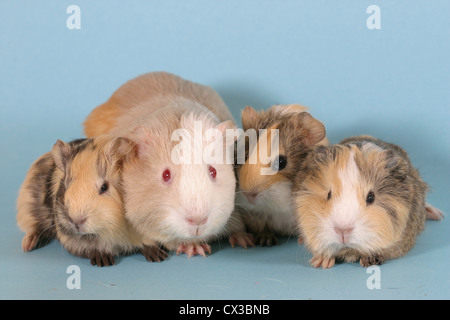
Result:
{"points": [[176, 196], [74, 194], [263, 199], [360, 200]]}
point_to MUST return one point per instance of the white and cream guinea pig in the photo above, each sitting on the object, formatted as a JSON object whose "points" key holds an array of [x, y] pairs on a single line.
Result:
{"points": [[263, 199], [180, 190], [74, 194], [361, 200]]}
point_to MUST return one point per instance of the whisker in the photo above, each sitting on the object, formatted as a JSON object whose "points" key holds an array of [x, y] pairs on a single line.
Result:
{"points": [[45, 230]]}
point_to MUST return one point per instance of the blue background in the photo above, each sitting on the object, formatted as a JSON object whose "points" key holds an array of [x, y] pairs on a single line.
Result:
{"points": [[393, 83]]}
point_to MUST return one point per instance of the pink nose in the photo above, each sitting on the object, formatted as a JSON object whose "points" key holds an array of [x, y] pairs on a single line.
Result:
{"points": [[251, 196], [341, 230], [344, 233], [196, 221], [79, 224]]}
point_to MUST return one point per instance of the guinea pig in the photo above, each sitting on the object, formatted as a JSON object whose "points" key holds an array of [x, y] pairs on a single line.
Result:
{"points": [[360, 200], [74, 194], [180, 190], [263, 199]]}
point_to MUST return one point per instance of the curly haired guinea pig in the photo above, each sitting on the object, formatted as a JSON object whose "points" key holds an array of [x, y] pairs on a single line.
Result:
{"points": [[361, 200], [179, 205], [264, 200], [74, 194]]}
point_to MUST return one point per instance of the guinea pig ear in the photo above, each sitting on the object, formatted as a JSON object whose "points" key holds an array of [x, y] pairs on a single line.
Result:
{"points": [[141, 137], [120, 150], [397, 165], [61, 153], [222, 127], [227, 125], [311, 130], [248, 116], [321, 155]]}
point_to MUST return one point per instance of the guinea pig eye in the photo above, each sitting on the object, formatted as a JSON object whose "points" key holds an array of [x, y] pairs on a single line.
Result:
{"points": [[166, 176], [370, 197], [329, 195], [212, 172], [104, 188], [280, 163]]}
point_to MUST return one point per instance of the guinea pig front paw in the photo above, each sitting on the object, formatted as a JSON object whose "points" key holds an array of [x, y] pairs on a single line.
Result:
{"points": [[29, 241], [102, 259], [154, 253], [194, 249], [266, 239], [322, 261], [242, 239], [33, 241], [371, 260]]}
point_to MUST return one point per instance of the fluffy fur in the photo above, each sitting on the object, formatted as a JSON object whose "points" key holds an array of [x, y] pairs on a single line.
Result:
{"points": [[61, 198], [361, 200], [161, 211], [192, 208], [264, 201], [145, 94]]}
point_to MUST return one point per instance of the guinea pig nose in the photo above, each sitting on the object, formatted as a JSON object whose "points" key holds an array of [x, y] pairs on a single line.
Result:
{"points": [[197, 221], [251, 196], [343, 230], [79, 223]]}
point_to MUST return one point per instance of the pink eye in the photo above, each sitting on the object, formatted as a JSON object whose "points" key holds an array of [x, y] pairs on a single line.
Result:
{"points": [[212, 172], [166, 176]]}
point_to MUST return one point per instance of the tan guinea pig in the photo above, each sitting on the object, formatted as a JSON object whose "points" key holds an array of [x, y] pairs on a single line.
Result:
{"points": [[361, 200], [178, 204], [263, 199], [74, 194]]}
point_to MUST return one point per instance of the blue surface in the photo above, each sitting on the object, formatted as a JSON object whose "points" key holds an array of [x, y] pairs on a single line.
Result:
{"points": [[393, 83]]}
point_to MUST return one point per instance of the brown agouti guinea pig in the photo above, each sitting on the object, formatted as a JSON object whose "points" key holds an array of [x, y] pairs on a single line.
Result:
{"points": [[263, 197], [74, 194], [360, 200]]}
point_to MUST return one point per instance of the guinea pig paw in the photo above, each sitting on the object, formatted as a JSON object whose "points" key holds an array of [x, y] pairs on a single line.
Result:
{"points": [[154, 253], [371, 260], [433, 213], [266, 239], [321, 261], [300, 241], [102, 259], [29, 241], [242, 239], [194, 249]]}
